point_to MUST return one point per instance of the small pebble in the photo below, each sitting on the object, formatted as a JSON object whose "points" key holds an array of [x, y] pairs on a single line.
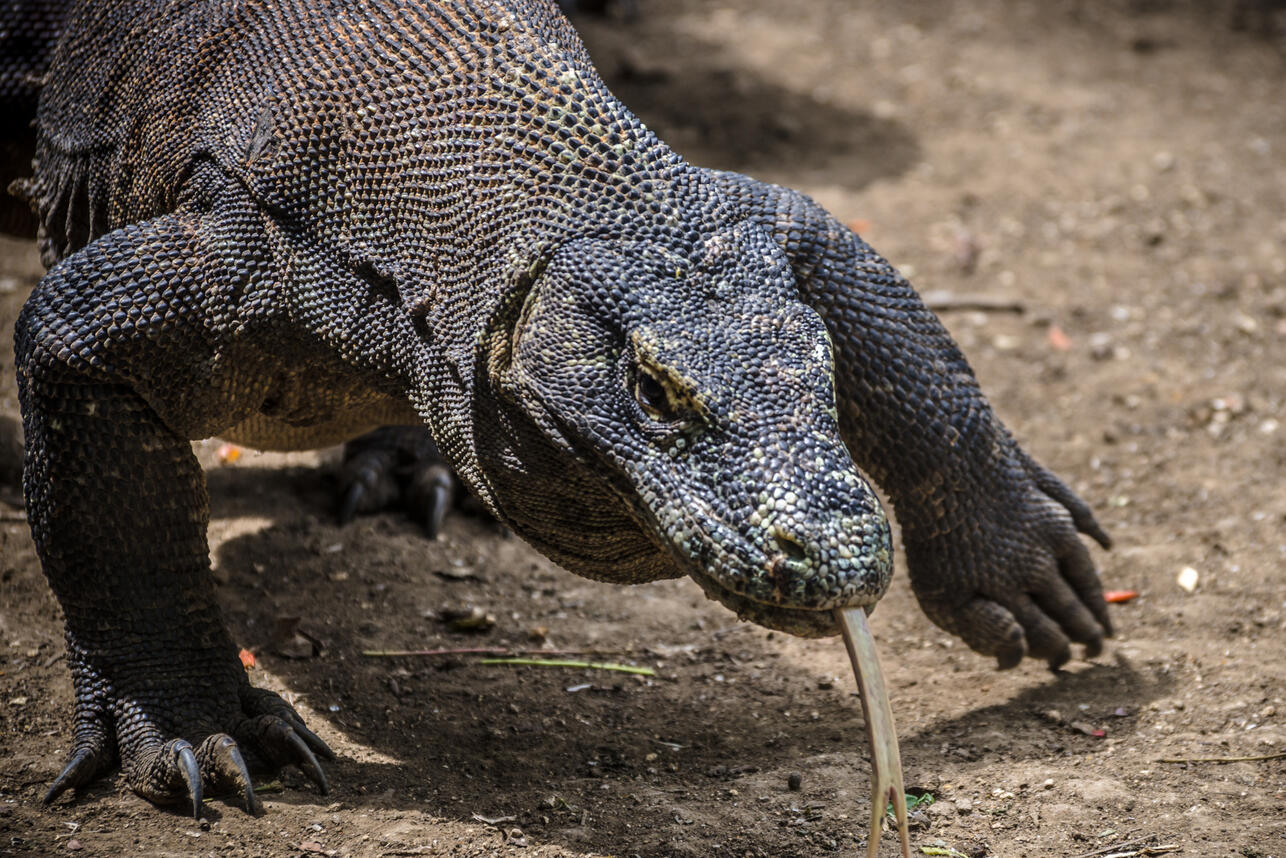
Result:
{"points": [[795, 781], [1188, 578]]}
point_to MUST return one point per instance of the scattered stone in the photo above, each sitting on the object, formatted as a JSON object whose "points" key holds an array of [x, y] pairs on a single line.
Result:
{"points": [[289, 641], [1188, 578], [471, 619], [941, 810], [964, 805]]}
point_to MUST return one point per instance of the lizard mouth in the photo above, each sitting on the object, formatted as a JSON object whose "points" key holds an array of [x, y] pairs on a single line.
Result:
{"points": [[801, 622], [762, 586]]}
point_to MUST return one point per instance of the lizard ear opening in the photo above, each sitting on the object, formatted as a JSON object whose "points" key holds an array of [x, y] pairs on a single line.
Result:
{"points": [[507, 326]]}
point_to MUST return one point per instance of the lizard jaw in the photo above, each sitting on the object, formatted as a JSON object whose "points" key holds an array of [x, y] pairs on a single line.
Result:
{"points": [[801, 622]]}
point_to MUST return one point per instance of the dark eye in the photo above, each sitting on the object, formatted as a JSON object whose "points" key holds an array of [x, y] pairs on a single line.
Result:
{"points": [[651, 395]]}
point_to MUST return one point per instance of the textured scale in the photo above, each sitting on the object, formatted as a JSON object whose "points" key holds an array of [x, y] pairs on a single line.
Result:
{"points": [[289, 222]]}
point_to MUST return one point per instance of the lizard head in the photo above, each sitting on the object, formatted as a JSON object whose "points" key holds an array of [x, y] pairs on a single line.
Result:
{"points": [[680, 415]]}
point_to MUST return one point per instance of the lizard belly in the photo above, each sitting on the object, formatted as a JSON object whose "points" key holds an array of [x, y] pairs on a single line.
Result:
{"points": [[303, 414]]}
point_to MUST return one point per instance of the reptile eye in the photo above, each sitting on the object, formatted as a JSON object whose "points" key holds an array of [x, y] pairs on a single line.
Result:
{"points": [[651, 396]]}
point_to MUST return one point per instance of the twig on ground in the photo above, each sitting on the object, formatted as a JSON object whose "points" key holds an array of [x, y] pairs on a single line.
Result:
{"points": [[588, 665], [1277, 756], [499, 651], [1124, 844]]}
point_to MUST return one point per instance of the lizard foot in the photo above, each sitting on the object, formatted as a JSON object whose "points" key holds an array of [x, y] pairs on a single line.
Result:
{"points": [[268, 732], [398, 467], [1015, 579]]}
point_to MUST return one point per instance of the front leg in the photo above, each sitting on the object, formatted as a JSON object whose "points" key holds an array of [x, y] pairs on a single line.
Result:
{"points": [[990, 535], [118, 509]]}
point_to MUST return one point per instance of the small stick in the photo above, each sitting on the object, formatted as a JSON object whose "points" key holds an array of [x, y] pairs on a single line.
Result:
{"points": [[1123, 844], [589, 665], [1277, 756], [428, 653]]}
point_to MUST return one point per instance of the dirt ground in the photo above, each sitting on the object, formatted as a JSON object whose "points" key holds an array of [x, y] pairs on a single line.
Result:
{"points": [[1117, 170]]}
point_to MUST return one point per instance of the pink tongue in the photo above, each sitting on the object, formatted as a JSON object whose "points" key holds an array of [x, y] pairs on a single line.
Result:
{"points": [[886, 765]]}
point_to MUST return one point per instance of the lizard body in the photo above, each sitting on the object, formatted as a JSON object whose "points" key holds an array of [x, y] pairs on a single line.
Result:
{"points": [[286, 222]]}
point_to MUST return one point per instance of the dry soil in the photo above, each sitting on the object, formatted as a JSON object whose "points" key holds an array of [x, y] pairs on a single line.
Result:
{"points": [[1115, 169]]}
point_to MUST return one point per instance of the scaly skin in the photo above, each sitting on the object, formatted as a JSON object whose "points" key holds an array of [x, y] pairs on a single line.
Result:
{"points": [[286, 223]]}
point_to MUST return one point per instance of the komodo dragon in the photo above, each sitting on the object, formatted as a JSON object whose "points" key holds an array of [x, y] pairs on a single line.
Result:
{"points": [[286, 222]]}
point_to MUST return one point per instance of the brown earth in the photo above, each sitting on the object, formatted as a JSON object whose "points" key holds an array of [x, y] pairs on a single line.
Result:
{"points": [[1116, 168]]}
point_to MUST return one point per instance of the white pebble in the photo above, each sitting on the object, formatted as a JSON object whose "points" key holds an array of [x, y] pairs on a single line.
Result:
{"points": [[1188, 578]]}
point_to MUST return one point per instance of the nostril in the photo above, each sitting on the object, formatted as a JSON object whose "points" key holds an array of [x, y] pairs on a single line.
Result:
{"points": [[789, 547]]}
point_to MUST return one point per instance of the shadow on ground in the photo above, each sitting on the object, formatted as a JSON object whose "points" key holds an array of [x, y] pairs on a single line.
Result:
{"points": [[452, 738]]}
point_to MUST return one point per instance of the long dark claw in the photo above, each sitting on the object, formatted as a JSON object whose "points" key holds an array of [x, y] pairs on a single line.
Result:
{"points": [[243, 780], [437, 511], [429, 497], [185, 759], [352, 500], [886, 763], [303, 757], [370, 474], [267, 703], [312, 740], [226, 768], [81, 768]]}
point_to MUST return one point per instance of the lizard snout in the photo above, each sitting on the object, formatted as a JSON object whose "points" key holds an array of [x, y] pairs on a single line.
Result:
{"points": [[811, 565]]}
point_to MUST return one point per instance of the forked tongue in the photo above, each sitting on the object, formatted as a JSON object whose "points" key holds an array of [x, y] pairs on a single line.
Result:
{"points": [[886, 765]]}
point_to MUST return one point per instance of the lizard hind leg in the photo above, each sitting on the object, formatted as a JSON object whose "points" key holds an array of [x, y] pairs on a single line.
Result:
{"points": [[399, 467]]}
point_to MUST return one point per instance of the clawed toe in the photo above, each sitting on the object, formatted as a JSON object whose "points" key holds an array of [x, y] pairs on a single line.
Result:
{"points": [[303, 757], [277, 740], [82, 767], [368, 483], [397, 466], [260, 701], [428, 497], [224, 766], [311, 739], [167, 773]]}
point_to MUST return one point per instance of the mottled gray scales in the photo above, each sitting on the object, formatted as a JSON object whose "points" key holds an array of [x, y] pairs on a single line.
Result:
{"points": [[288, 222]]}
